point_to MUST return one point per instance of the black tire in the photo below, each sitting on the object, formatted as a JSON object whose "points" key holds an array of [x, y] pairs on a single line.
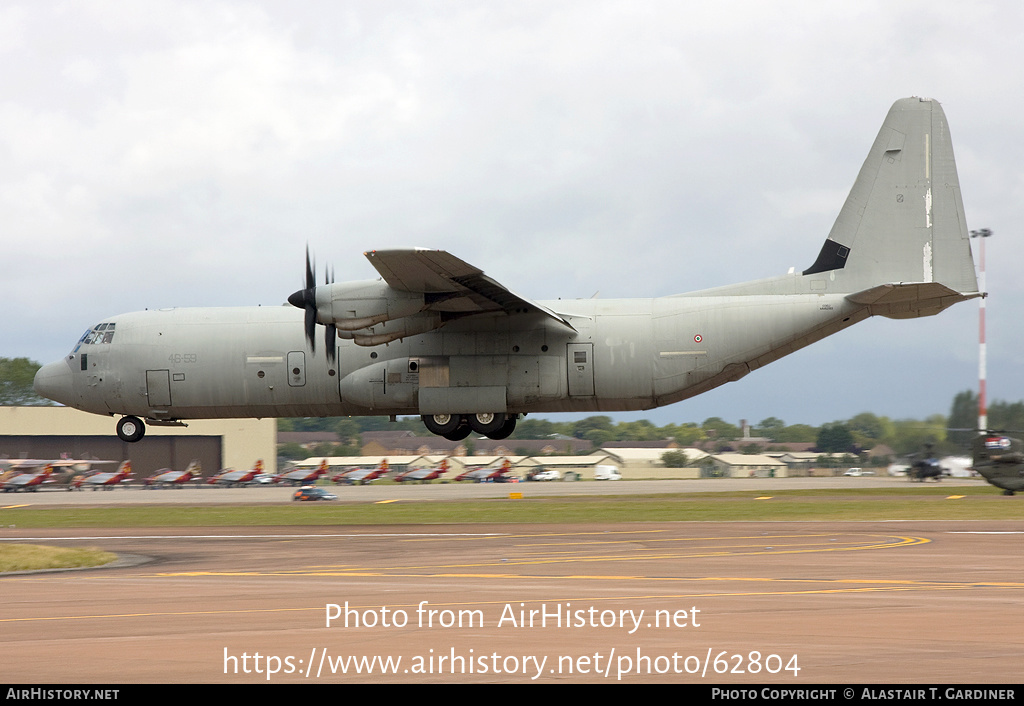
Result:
{"points": [[442, 424], [130, 429], [459, 434], [506, 429], [486, 423]]}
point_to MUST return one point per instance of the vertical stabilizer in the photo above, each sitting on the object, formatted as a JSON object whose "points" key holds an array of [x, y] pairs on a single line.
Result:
{"points": [[904, 218]]}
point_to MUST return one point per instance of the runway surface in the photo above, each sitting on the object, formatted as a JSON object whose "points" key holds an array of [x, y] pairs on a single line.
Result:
{"points": [[775, 603]]}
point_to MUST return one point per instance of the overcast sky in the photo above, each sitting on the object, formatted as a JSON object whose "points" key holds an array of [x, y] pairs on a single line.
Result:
{"points": [[183, 153]]}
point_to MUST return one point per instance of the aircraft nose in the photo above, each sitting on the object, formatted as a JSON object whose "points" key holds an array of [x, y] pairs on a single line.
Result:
{"points": [[53, 381]]}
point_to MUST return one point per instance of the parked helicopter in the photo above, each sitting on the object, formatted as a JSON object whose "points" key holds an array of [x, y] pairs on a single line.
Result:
{"points": [[1000, 461], [924, 465]]}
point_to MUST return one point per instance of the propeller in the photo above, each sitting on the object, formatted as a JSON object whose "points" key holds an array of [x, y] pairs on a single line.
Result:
{"points": [[330, 330], [306, 299]]}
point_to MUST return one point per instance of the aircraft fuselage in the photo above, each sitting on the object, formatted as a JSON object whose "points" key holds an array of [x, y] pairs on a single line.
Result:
{"points": [[626, 355]]}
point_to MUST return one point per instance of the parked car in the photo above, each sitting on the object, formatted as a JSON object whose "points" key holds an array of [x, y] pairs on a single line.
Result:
{"points": [[311, 492]]}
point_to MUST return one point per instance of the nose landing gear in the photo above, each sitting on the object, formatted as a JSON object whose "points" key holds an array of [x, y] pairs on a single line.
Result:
{"points": [[130, 429]]}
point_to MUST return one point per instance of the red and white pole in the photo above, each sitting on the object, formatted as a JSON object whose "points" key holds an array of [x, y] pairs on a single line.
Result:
{"points": [[982, 353]]}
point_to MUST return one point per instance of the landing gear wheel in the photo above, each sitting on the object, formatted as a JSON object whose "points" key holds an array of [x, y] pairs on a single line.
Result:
{"points": [[486, 423], [459, 434], [506, 429], [130, 429], [441, 424]]}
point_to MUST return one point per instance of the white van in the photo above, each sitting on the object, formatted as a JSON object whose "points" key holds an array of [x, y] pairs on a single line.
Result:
{"points": [[607, 473]]}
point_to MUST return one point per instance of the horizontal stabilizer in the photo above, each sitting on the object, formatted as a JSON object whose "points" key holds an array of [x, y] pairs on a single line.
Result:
{"points": [[907, 300]]}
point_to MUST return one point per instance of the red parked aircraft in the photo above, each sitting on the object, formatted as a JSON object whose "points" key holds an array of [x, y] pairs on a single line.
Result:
{"points": [[424, 475], [358, 476], [28, 482], [167, 478], [302, 476], [229, 477], [104, 480]]}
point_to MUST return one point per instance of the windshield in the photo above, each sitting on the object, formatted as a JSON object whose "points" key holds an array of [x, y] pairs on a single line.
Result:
{"points": [[100, 333]]}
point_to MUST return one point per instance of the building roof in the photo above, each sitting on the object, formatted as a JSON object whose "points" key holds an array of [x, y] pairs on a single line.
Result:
{"points": [[648, 455], [565, 461], [747, 460]]}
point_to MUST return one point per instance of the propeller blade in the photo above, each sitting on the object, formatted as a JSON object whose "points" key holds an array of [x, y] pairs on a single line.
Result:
{"points": [[331, 335], [306, 299], [310, 279], [311, 327]]}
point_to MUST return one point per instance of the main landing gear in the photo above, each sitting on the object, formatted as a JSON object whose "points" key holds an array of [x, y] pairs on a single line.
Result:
{"points": [[130, 429], [456, 427]]}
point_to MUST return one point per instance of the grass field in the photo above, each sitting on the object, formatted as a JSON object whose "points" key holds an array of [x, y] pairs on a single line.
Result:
{"points": [[30, 557], [917, 503]]}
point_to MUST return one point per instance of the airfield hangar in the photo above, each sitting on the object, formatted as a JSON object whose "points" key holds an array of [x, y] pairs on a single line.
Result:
{"points": [[52, 432]]}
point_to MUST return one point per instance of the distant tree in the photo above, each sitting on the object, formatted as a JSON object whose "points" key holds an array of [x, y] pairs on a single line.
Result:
{"points": [[1007, 416], [323, 450], [533, 429], [686, 434], [640, 430], [867, 425], [797, 433], [674, 459], [720, 429], [834, 438], [963, 419], [347, 430], [581, 427], [770, 427], [599, 436], [16, 378], [910, 435]]}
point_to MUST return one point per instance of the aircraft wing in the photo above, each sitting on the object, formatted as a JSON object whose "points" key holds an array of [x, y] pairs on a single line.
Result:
{"points": [[450, 284]]}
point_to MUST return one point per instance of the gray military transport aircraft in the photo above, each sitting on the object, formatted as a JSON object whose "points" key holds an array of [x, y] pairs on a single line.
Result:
{"points": [[436, 337]]}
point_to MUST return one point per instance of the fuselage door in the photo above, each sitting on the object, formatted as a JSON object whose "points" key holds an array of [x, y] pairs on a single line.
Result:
{"points": [[581, 369], [158, 388], [296, 368]]}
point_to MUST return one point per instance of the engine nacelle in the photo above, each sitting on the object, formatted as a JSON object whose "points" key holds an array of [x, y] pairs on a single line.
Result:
{"points": [[352, 306], [388, 331]]}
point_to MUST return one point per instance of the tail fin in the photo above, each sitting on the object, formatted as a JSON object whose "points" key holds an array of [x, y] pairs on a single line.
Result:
{"points": [[904, 218]]}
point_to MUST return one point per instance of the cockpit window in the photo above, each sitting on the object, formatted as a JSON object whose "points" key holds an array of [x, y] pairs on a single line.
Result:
{"points": [[101, 333]]}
